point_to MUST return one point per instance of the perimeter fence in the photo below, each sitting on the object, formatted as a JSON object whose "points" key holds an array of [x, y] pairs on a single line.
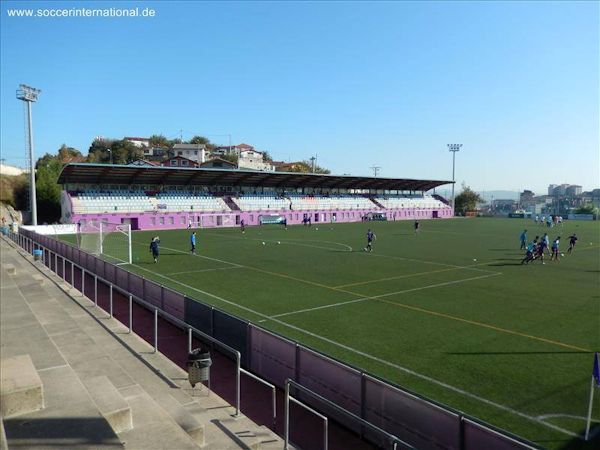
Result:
{"points": [[398, 418]]}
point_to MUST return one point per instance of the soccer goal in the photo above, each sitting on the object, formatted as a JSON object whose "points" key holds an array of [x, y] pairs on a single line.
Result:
{"points": [[112, 241]]}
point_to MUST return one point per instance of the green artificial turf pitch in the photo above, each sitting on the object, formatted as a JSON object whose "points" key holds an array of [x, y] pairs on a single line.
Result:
{"points": [[450, 313]]}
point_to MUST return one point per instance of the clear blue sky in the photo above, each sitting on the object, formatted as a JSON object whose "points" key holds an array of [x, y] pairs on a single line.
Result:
{"points": [[358, 84]]}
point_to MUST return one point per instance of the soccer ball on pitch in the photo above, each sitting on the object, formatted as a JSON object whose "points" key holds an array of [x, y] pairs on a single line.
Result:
{"points": [[562, 254], [278, 242], [264, 243], [316, 229]]}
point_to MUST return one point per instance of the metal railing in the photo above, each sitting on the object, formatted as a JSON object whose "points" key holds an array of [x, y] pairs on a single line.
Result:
{"points": [[176, 321], [164, 314], [493, 433], [394, 440]]}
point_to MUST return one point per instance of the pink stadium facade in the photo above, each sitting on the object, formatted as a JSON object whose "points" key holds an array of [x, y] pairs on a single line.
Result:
{"points": [[165, 198]]}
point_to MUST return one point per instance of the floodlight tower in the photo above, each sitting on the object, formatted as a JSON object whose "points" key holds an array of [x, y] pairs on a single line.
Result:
{"points": [[29, 95], [375, 170], [453, 148], [313, 160]]}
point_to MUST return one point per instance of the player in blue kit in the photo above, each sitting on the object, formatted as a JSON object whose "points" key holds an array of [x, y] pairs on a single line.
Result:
{"points": [[370, 238], [524, 240], [555, 249], [193, 243]]}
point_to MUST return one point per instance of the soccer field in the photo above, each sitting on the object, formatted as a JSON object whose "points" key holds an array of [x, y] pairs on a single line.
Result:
{"points": [[450, 313]]}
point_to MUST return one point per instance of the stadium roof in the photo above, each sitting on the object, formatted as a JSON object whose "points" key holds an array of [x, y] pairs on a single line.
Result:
{"points": [[146, 175]]}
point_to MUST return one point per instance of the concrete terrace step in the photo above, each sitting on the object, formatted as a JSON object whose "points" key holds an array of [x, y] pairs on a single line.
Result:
{"points": [[224, 431], [21, 388], [10, 269], [110, 402], [153, 427], [69, 420], [102, 357]]}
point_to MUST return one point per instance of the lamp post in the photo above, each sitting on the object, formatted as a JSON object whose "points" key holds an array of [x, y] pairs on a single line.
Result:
{"points": [[453, 148], [29, 95]]}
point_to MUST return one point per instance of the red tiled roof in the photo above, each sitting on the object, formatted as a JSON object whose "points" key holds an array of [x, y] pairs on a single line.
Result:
{"points": [[136, 139]]}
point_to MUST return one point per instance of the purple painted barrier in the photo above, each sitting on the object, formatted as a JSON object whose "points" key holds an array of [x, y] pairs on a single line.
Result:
{"points": [[135, 285], [413, 419], [122, 278], [272, 357], [477, 436], [174, 303], [333, 380], [153, 293]]}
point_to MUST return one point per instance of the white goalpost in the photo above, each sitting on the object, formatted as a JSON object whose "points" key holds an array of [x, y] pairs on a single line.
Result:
{"points": [[112, 241]]}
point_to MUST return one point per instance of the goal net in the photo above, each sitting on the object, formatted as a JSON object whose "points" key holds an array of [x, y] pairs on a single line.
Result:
{"points": [[111, 241]]}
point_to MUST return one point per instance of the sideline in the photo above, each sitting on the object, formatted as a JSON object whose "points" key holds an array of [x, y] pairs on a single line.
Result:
{"points": [[379, 360]]}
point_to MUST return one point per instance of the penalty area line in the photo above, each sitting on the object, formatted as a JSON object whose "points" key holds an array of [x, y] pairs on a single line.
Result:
{"points": [[203, 270], [375, 297]]}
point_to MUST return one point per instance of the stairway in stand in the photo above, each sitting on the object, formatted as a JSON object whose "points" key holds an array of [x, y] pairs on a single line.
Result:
{"points": [[232, 205], [441, 199], [379, 205]]}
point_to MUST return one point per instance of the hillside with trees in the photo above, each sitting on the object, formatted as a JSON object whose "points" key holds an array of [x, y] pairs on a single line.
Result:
{"points": [[14, 190]]}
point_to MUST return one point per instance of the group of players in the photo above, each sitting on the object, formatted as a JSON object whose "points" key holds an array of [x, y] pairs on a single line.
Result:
{"points": [[536, 249], [549, 221]]}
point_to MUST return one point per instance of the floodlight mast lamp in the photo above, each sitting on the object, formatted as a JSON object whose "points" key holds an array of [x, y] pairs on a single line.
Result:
{"points": [[453, 148], [29, 95]]}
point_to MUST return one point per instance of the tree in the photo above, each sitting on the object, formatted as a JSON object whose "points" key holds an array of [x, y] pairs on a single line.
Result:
{"points": [[232, 158], [69, 154], [203, 141], [267, 157], [158, 140], [98, 151], [14, 190], [300, 167], [47, 190], [466, 201], [125, 152], [199, 140], [588, 208]]}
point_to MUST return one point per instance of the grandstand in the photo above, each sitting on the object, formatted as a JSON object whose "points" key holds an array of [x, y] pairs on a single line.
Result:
{"points": [[166, 198]]}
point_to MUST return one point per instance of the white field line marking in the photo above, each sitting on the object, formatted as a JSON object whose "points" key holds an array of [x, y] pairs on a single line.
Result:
{"points": [[281, 275], [553, 416], [203, 270], [379, 360], [472, 267], [286, 241], [418, 274], [375, 297], [293, 241]]}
